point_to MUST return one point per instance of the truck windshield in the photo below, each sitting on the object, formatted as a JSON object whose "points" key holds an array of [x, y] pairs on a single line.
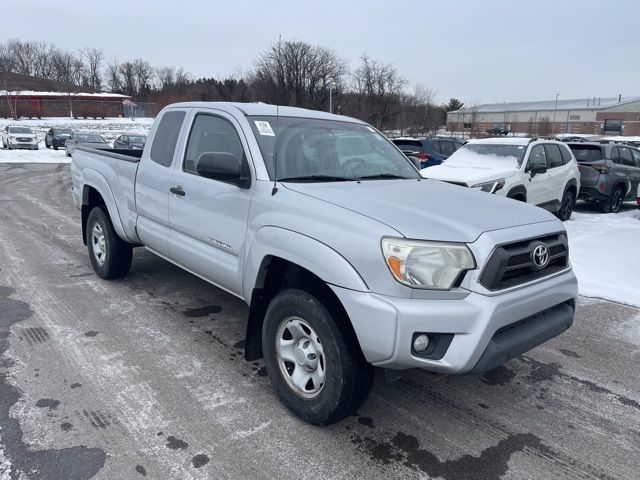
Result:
{"points": [[327, 150]]}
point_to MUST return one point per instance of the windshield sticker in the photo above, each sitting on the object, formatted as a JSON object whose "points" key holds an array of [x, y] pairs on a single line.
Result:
{"points": [[264, 128]]}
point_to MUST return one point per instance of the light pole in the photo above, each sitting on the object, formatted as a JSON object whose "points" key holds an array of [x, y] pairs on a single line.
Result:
{"points": [[332, 85], [555, 107]]}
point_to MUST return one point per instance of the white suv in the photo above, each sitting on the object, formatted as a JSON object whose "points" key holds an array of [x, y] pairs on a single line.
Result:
{"points": [[18, 137], [539, 171]]}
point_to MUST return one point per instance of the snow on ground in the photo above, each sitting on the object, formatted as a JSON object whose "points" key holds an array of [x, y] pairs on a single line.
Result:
{"points": [[605, 253]]}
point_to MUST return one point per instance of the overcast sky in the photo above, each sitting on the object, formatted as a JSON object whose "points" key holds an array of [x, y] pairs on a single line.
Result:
{"points": [[479, 51]]}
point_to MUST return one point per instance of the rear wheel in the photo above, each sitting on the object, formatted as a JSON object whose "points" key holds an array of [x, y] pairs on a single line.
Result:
{"points": [[615, 201], [110, 256], [315, 367], [566, 208]]}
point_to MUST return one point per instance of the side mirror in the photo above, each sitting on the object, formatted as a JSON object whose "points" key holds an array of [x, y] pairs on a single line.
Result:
{"points": [[223, 166], [537, 166]]}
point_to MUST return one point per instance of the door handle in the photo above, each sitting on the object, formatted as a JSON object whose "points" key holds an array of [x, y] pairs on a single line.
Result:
{"points": [[177, 190]]}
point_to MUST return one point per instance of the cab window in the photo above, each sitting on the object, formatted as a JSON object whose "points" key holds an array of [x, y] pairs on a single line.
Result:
{"points": [[211, 134]]}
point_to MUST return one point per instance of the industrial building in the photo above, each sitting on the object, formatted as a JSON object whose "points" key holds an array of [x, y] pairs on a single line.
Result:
{"points": [[594, 116]]}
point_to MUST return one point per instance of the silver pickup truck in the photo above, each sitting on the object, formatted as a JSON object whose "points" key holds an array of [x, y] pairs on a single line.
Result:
{"points": [[347, 258]]}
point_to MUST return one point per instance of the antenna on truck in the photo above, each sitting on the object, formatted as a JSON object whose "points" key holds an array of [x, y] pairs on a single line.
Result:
{"points": [[275, 156]]}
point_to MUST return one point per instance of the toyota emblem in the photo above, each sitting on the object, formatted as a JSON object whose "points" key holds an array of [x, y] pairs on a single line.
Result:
{"points": [[540, 256]]}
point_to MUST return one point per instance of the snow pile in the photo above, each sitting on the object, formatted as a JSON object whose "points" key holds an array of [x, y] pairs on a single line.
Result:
{"points": [[34, 156], [465, 158], [605, 253]]}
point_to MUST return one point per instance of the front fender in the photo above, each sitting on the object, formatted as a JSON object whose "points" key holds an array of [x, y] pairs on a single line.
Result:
{"points": [[304, 251], [93, 178]]}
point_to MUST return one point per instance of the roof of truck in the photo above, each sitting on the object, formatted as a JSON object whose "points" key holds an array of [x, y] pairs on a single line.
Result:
{"points": [[266, 110]]}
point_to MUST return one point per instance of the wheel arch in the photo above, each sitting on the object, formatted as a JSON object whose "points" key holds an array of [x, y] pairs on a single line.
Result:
{"points": [[96, 192], [519, 192], [306, 264]]}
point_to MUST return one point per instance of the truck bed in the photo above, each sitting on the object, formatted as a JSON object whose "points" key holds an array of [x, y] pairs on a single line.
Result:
{"points": [[112, 172]]}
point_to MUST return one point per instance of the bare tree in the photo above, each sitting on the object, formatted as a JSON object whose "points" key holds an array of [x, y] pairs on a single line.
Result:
{"points": [[143, 73], [112, 73], [544, 126], [297, 73], [380, 88], [93, 58], [127, 74]]}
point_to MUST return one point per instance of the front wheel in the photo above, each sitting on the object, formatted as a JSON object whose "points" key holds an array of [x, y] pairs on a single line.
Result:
{"points": [[566, 208], [313, 360], [110, 256]]}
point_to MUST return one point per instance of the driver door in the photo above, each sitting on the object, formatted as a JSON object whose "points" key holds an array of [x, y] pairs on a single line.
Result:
{"points": [[208, 217]]}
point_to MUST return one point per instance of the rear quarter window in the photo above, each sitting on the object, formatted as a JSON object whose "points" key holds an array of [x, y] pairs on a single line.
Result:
{"points": [[166, 138], [566, 154]]}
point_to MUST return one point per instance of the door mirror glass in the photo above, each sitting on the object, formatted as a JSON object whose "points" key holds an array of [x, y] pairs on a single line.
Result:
{"points": [[537, 165], [222, 166]]}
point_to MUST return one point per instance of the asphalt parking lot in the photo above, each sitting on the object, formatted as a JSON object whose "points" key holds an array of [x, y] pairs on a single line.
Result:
{"points": [[144, 378]]}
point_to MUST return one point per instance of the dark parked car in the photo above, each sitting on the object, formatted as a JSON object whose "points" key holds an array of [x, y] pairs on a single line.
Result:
{"points": [[430, 151], [130, 142], [81, 139], [497, 131], [609, 173], [56, 137]]}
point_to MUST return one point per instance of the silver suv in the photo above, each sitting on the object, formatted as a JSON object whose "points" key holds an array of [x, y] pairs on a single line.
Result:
{"points": [[609, 173]]}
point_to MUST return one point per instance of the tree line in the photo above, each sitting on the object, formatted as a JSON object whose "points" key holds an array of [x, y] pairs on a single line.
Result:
{"points": [[291, 72]]}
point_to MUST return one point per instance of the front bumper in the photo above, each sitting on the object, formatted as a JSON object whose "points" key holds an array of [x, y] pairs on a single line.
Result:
{"points": [[23, 145], [385, 325]]}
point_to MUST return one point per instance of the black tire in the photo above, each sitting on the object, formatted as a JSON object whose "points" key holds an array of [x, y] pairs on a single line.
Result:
{"points": [[55, 147], [566, 207], [116, 256], [46, 144], [615, 201], [348, 377]]}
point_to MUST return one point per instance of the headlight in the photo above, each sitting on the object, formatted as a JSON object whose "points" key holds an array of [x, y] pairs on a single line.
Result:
{"points": [[492, 187], [423, 264]]}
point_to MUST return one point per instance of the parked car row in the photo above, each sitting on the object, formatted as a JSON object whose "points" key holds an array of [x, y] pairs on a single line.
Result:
{"points": [[19, 137]]}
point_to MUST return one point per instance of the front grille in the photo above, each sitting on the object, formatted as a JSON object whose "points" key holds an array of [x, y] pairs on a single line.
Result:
{"points": [[513, 264]]}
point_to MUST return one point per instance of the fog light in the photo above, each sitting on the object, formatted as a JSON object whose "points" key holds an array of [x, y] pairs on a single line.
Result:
{"points": [[421, 343]]}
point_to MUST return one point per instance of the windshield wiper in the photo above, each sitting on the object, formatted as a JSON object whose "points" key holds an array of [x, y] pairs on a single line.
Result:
{"points": [[383, 176], [317, 178]]}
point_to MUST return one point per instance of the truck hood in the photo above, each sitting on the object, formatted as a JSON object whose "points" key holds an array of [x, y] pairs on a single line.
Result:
{"points": [[467, 174], [427, 209]]}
